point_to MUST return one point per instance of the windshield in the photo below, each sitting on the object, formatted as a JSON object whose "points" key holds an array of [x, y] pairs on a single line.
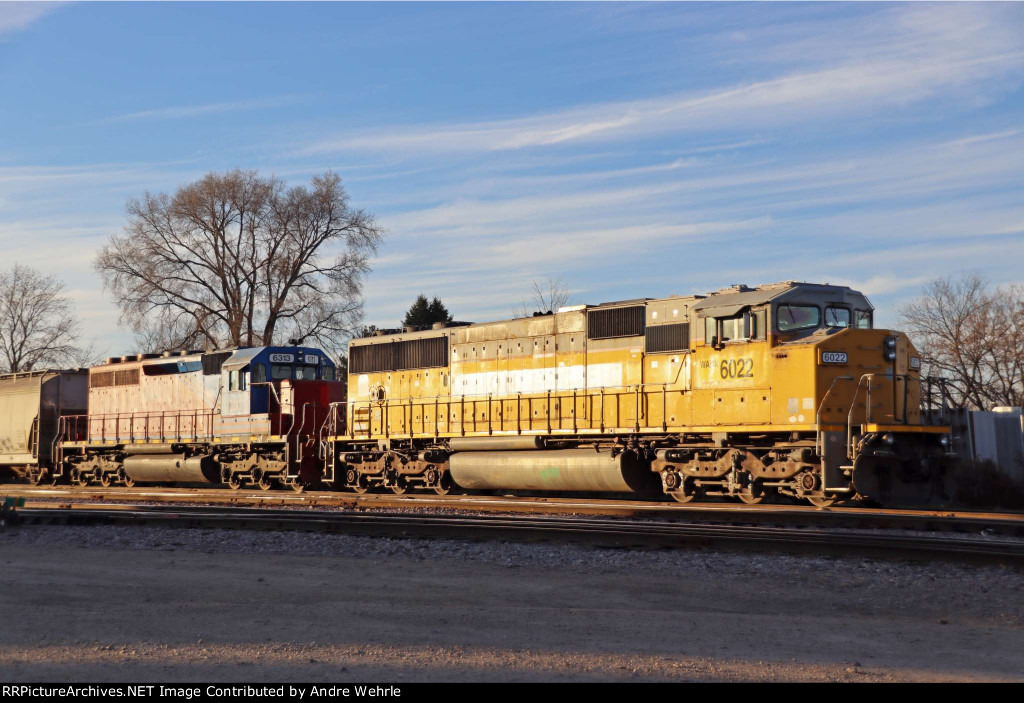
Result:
{"points": [[797, 317], [837, 317]]}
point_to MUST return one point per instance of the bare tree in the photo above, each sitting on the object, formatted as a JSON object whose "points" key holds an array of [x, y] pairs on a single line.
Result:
{"points": [[38, 328], [162, 333], [238, 259], [547, 296], [972, 337]]}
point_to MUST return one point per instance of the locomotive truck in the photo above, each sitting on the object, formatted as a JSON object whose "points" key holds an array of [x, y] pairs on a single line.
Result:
{"points": [[783, 389]]}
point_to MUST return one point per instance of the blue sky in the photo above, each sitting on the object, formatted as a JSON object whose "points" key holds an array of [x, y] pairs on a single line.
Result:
{"points": [[631, 149]]}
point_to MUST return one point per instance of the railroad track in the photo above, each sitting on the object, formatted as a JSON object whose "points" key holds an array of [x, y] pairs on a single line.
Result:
{"points": [[734, 513], [602, 532]]}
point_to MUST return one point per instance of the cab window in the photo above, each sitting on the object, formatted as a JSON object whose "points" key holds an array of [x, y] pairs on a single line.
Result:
{"points": [[732, 329], [259, 373], [305, 373], [837, 317], [242, 378], [280, 371], [757, 324], [749, 325], [862, 319], [797, 317], [328, 373]]}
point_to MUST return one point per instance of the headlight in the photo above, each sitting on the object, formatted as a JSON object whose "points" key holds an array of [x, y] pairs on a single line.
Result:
{"points": [[890, 355], [944, 440], [889, 439], [890, 342]]}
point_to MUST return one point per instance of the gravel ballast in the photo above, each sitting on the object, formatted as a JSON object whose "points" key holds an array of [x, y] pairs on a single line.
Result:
{"points": [[117, 602]]}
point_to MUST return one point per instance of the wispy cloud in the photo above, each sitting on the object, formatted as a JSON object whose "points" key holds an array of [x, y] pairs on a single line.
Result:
{"points": [[18, 16], [924, 56], [185, 111]]}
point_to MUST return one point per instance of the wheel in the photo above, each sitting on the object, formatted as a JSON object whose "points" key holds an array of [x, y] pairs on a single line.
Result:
{"points": [[356, 481], [400, 487], [234, 482], [753, 494], [444, 485], [128, 481], [36, 477], [823, 501], [687, 490], [106, 480], [297, 485], [265, 483], [81, 480]]}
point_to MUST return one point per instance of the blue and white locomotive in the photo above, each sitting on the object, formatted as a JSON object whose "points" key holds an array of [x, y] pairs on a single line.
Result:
{"points": [[238, 416]]}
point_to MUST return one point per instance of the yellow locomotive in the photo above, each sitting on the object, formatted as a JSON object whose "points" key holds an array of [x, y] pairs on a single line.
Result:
{"points": [[746, 392]]}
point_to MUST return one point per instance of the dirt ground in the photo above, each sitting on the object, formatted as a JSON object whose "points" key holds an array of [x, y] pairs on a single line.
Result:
{"points": [[221, 606]]}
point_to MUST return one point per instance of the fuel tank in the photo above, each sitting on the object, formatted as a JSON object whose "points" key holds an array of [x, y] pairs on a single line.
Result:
{"points": [[171, 468], [553, 470]]}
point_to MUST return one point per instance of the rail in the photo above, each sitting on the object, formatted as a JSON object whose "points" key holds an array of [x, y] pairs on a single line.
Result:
{"points": [[630, 408], [119, 428], [522, 528]]}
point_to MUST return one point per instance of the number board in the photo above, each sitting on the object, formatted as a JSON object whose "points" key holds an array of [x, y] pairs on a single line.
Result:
{"points": [[282, 358], [833, 357]]}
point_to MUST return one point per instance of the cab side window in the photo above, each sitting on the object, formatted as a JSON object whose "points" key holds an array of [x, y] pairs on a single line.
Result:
{"points": [[758, 324], [862, 319], [279, 372], [732, 329], [749, 325]]}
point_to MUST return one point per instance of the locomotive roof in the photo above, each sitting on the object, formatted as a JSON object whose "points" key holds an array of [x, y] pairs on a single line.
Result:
{"points": [[236, 355], [722, 303], [729, 301]]}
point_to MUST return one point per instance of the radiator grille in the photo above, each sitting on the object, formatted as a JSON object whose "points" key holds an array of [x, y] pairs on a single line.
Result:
{"points": [[212, 363], [668, 338]]}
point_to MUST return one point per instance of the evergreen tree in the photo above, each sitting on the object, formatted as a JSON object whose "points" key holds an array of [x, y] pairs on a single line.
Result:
{"points": [[438, 312], [424, 313]]}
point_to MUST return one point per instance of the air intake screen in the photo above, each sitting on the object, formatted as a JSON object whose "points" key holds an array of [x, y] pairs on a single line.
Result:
{"points": [[106, 379], [668, 338], [616, 322], [399, 356], [372, 358]]}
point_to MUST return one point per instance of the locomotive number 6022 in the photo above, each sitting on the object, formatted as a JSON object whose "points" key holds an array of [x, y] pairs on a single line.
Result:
{"points": [[737, 368]]}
